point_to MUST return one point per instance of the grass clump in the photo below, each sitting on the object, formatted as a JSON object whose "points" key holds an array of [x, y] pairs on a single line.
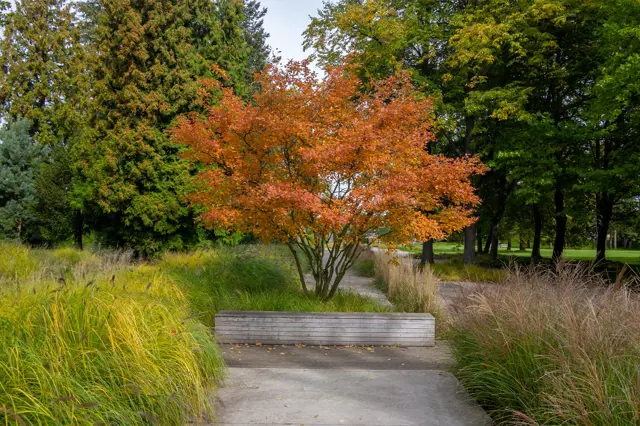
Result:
{"points": [[108, 342], [16, 262], [255, 277], [551, 347], [408, 287]]}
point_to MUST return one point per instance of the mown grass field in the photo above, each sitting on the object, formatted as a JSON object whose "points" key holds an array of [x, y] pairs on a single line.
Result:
{"points": [[98, 338], [616, 255]]}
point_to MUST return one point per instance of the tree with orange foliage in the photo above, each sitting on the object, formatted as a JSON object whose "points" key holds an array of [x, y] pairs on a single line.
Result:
{"points": [[320, 165]]}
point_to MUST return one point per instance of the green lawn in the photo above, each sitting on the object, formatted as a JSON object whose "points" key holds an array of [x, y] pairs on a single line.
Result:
{"points": [[619, 255]]}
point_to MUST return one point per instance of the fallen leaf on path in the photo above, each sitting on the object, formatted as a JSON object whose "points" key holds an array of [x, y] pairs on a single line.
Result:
{"points": [[258, 344], [281, 353]]}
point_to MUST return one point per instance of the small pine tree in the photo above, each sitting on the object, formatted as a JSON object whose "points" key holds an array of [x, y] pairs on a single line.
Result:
{"points": [[20, 156]]}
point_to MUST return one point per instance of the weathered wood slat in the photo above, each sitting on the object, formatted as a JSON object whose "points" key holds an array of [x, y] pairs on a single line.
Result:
{"points": [[314, 332], [330, 331], [327, 320], [325, 328], [325, 324], [308, 315]]}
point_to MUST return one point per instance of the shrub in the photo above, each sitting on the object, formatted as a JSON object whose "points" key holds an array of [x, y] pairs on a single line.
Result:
{"points": [[551, 347], [101, 345]]}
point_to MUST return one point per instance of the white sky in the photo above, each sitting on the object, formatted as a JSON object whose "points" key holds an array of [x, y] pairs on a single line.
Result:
{"points": [[285, 21]]}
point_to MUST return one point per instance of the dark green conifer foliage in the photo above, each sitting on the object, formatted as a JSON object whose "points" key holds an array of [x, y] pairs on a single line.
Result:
{"points": [[20, 156], [43, 76]]}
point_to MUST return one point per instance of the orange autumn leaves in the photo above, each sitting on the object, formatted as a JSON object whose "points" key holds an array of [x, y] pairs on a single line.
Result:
{"points": [[321, 156]]}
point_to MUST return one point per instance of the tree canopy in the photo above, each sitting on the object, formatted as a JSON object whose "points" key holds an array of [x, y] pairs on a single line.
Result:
{"points": [[522, 84], [544, 93], [321, 165]]}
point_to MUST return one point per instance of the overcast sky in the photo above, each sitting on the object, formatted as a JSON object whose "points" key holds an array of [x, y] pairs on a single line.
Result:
{"points": [[285, 21]]}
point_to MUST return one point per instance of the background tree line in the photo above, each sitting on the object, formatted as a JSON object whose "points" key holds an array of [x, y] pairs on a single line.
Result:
{"points": [[545, 91], [87, 92]]}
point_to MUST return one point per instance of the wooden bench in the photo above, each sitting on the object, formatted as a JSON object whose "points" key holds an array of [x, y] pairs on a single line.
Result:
{"points": [[325, 328]]}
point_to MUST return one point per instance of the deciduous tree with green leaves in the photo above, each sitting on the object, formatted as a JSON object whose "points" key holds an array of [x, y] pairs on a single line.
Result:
{"points": [[614, 117]]}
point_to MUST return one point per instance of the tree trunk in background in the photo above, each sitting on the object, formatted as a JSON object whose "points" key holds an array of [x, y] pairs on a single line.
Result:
{"points": [[509, 242], [427, 253], [561, 225], [495, 231], [479, 239], [537, 233], [487, 245], [78, 228], [604, 207], [522, 245], [469, 255]]}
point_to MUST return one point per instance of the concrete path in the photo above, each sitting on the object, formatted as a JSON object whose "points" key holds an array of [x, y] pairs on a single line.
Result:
{"points": [[280, 385], [363, 286], [365, 386]]}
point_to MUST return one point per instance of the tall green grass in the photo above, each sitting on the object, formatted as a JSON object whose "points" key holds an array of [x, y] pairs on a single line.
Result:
{"points": [[551, 347], [253, 277], [96, 338], [86, 339]]}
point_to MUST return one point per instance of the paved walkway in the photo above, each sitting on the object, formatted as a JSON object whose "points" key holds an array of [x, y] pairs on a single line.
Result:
{"points": [[363, 286], [300, 385], [289, 385]]}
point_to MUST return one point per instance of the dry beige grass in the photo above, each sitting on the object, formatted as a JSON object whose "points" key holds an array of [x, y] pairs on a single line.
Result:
{"points": [[410, 288], [551, 347]]}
